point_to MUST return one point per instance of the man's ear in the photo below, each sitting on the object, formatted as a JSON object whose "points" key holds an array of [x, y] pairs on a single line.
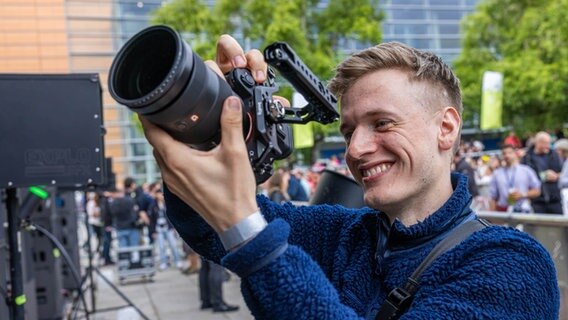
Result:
{"points": [[449, 128]]}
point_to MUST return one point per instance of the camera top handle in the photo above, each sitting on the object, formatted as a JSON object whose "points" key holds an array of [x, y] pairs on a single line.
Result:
{"points": [[321, 103]]}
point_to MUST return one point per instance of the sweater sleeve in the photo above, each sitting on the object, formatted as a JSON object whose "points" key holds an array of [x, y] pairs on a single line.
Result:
{"points": [[500, 275], [292, 286], [316, 229]]}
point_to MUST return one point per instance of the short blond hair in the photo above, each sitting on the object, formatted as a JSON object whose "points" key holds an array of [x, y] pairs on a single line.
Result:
{"points": [[421, 66]]}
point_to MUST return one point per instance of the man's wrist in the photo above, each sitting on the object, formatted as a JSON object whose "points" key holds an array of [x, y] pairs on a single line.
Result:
{"points": [[243, 231]]}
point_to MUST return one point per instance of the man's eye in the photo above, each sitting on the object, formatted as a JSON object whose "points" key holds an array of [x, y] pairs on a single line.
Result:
{"points": [[383, 124]]}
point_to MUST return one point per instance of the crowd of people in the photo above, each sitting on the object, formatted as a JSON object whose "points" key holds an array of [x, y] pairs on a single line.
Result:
{"points": [[524, 176]]}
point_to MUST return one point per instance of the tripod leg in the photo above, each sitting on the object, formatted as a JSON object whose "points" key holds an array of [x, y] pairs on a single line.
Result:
{"points": [[125, 298]]}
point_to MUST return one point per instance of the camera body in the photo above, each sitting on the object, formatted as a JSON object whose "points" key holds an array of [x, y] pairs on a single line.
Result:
{"points": [[266, 138]]}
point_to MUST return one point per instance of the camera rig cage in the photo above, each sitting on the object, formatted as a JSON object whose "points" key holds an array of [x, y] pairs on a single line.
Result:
{"points": [[269, 136]]}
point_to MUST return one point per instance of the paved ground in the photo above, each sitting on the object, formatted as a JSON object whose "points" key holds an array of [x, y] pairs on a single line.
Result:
{"points": [[171, 296]]}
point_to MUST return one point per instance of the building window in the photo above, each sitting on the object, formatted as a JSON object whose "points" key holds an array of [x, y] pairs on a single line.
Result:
{"points": [[408, 14], [446, 15], [411, 29], [449, 43], [449, 29]]}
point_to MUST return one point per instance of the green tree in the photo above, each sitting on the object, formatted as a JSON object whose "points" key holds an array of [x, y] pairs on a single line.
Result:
{"points": [[526, 40], [315, 33]]}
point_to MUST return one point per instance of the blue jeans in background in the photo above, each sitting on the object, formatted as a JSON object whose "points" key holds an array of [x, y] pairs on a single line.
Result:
{"points": [[163, 236], [128, 237]]}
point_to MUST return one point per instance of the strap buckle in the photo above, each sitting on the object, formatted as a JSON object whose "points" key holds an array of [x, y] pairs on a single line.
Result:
{"points": [[397, 300]]}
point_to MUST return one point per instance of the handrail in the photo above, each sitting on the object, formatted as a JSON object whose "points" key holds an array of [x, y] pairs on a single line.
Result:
{"points": [[555, 220]]}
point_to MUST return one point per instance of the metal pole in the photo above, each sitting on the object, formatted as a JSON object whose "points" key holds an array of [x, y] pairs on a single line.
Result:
{"points": [[18, 297]]}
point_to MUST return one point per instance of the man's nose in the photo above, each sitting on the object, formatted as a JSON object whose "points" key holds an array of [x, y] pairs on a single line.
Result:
{"points": [[361, 143]]}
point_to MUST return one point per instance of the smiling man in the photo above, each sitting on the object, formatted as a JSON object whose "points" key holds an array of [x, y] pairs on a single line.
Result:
{"points": [[401, 118]]}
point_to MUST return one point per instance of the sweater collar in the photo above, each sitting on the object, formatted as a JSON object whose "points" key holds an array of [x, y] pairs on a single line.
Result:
{"points": [[451, 214]]}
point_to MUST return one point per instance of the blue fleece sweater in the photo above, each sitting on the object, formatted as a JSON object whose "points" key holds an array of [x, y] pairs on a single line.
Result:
{"points": [[329, 262]]}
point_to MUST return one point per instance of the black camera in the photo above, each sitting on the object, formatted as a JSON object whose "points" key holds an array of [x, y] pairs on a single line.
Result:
{"points": [[157, 75]]}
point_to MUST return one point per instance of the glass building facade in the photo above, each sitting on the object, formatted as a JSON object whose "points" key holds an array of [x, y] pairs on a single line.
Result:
{"points": [[432, 25]]}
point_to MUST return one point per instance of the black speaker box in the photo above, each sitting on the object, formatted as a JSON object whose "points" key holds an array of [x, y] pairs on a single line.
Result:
{"points": [[51, 130]]}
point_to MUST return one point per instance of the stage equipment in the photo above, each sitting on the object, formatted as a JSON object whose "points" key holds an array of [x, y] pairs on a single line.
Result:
{"points": [[46, 266], [51, 132], [65, 228], [336, 188], [157, 75]]}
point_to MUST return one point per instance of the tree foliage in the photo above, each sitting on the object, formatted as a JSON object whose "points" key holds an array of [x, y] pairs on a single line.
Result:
{"points": [[315, 33], [526, 40]]}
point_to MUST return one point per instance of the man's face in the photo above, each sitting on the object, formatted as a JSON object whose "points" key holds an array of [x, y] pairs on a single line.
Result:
{"points": [[509, 155], [391, 135]]}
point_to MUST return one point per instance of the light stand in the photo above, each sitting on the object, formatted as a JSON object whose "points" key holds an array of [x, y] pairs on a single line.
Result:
{"points": [[91, 285]]}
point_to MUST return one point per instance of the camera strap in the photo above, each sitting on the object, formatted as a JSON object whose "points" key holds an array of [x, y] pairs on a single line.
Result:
{"points": [[399, 299]]}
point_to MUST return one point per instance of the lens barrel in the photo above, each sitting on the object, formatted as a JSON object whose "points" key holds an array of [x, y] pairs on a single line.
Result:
{"points": [[157, 75]]}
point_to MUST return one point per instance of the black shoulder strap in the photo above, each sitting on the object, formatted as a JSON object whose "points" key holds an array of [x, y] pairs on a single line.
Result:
{"points": [[399, 299]]}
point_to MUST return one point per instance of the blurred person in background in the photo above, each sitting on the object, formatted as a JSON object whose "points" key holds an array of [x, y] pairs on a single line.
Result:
{"points": [[144, 201], [513, 186], [547, 165], [295, 191], [211, 278], [106, 217], [93, 209], [164, 233], [462, 166], [512, 140], [277, 186], [193, 260], [300, 176], [126, 216], [561, 146], [483, 176]]}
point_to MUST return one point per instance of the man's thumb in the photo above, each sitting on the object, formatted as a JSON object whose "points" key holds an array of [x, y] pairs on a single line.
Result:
{"points": [[232, 121]]}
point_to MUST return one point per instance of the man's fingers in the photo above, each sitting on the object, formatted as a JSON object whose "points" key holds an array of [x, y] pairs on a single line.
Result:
{"points": [[232, 124], [211, 64], [162, 142], [230, 55], [257, 65], [282, 100]]}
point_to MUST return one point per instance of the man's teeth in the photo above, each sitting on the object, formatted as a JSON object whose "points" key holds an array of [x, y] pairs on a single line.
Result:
{"points": [[376, 170]]}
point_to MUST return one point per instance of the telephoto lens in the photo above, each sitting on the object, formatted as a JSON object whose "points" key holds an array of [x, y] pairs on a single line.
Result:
{"points": [[157, 75]]}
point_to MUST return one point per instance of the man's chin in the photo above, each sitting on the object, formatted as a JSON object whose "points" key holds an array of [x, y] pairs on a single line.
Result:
{"points": [[375, 202]]}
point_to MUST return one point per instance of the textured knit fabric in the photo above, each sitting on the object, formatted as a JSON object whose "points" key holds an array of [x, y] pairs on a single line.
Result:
{"points": [[322, 262]]}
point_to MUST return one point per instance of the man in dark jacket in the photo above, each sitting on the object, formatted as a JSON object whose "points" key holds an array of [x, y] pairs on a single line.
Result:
{"points": [[124, 212], [547, 165], [401, 119], [463, 167]]}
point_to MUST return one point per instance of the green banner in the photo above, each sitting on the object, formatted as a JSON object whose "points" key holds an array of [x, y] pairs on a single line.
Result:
{"points": [[303, 135], [492, 101]]}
